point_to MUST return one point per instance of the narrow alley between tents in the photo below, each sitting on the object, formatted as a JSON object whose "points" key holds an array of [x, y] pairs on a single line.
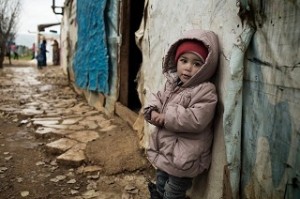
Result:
{"points": [[54, 145]]}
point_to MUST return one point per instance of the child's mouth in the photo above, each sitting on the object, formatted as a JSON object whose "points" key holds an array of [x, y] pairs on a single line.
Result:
{"points": [[185, 76]]}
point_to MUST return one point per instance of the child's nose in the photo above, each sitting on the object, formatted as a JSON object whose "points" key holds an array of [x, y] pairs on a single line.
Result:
{"points": [[189, 66]]}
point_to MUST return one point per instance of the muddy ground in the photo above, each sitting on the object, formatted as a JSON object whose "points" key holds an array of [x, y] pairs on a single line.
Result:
{"points": [[28, 170]]}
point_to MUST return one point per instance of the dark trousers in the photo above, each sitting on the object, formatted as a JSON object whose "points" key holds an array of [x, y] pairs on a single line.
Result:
{"points": [[172, 187]]}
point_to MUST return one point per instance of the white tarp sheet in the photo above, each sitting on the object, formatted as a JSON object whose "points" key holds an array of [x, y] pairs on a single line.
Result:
{"points": [[262, 147]]}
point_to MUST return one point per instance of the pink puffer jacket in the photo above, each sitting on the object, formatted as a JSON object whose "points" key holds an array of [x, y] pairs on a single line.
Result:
{"points": [[182, 147]]}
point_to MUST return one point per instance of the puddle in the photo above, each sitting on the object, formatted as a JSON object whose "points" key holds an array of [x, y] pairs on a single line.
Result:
{"points": [[23, 139]]}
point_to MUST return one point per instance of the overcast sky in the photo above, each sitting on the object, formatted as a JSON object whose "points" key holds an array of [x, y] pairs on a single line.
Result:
{"points": [[35, 12]]}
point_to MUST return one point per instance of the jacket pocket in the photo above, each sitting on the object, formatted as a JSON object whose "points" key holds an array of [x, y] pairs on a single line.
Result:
{"points": [[184, 155]]}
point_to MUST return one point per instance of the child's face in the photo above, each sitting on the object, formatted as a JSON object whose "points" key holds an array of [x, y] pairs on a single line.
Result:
{"points": [[188, 65]]}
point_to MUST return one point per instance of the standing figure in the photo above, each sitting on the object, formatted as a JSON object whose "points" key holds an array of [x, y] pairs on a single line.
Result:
{"points": [[33, 51], [14, 49], [42, 57], [55, 52], [8, 53], [182, 113]]}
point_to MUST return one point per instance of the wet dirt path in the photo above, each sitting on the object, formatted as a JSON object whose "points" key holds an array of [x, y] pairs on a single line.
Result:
{"points": [[39, 114]]}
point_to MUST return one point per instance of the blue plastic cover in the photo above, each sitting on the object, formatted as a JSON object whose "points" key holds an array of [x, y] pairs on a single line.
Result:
{"points": [[91, 58]]}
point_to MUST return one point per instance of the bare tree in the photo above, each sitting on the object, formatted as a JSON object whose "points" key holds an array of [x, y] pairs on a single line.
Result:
{"points": [[9, 16]]}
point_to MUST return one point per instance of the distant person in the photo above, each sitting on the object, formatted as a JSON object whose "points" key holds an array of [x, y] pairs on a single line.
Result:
{"points": [[14, 49], [33, 51], [7, 53], [42, 57], [55, 52]]}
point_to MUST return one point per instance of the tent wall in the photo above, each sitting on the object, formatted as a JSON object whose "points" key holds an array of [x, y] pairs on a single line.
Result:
{"points": [[270, 166], [109, 36], [258, 85], [68, 37], [91, 57], [163, 22], [256, 134]]}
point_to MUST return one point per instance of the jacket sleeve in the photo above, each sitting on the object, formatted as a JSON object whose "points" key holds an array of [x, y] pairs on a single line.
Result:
{"points": [[155, 103], [194, 118]]}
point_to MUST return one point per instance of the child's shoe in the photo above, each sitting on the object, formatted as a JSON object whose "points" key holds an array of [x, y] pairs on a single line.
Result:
{"points": [[153, 192]]}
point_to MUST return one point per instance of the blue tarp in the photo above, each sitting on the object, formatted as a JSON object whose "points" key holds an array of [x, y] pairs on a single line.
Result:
{"points": [[91, 57]]}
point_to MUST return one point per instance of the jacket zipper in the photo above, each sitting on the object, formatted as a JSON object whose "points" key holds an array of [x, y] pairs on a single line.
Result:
{"points": [[162, 110], [167, 100]]}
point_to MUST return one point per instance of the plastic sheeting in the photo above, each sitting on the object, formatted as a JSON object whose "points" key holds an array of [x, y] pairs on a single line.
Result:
{"points": [[91, 58], [271, 109], [233, 109], [265, 160], [260, 99], [113, 41], [163, 22]]}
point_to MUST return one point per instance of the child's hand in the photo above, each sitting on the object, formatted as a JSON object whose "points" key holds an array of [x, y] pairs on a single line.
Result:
{"points": [[157, 119]]}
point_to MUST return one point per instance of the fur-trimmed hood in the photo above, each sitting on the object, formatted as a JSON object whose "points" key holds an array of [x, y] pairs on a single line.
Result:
{"points": [[210, 40]]}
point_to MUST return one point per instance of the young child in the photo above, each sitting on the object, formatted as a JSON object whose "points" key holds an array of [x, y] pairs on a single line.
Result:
{"points": [[183, 112]]}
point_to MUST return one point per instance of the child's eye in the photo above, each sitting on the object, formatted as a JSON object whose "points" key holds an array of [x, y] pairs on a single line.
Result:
{"points": [[197, 64], [183, 60]]}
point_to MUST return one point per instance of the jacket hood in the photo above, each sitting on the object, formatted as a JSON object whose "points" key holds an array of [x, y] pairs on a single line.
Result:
{"points": [[210, 40]]}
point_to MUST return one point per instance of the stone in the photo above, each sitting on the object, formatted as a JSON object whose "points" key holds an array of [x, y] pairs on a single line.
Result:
{"points": [[73, 157], [76, 127], [60, 146], [84, 136], [98, 118], [31, 112], [89, 124], [44, 131], [104, 123], [58, 178], [109, 128], [2, 169], [24, 193], [45, 122], [46, 118], [93, 112], [89, 169], [56, 126], [71, 121], [72, 181]]}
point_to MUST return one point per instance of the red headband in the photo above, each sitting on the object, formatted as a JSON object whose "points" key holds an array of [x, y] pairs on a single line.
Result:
{"points": [[192, 46]]}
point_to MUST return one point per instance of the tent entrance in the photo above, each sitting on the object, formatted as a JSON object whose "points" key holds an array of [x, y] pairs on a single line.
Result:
{"points": [[130, 55]]}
